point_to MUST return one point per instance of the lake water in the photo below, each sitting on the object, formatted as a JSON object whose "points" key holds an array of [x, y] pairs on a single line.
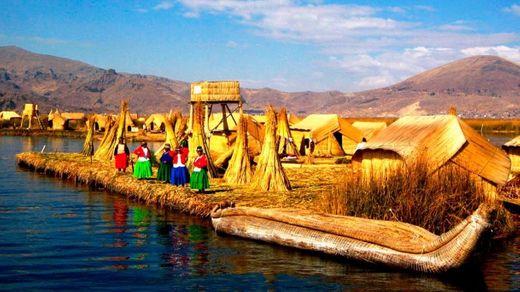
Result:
{"points": [[56, 235]]}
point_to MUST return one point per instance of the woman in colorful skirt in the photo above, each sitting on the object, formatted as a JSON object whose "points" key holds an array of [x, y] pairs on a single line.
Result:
{"points": [[179, 176], [143, 166], [199, 177], [121, 155], [165, 165]]}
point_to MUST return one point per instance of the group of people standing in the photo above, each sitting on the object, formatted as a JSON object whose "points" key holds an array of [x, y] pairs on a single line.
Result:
{"points": [[172, 164]]}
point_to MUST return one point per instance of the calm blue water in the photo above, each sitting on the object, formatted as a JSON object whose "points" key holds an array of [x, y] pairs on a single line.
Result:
{"points": [[56, 235]]}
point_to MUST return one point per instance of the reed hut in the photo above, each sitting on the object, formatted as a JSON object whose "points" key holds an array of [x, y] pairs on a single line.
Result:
{"points": [[8, 115], [439, 141], [369, 129], [512, 149], [55, 120], [331, 135], [155, 122], [101, 122]]}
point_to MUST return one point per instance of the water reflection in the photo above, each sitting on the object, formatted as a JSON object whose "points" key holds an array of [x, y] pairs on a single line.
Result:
{"points": [[187, 247]]}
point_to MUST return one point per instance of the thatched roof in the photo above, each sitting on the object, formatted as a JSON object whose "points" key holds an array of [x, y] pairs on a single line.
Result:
{"points": [[215, 91], [157, 119], [321, 126], [441, 139], [7, 115], [73, 116], [515, 142], [369, 129]]}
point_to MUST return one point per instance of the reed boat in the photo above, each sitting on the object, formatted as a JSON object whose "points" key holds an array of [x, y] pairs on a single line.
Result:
{"points": [[394, 244]]}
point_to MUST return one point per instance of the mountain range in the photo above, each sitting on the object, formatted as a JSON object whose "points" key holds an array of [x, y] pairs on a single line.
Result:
{"points": [[479, 86]]}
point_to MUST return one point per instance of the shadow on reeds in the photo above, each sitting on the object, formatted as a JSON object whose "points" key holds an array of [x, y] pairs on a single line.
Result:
{"points": [[435, 201]]}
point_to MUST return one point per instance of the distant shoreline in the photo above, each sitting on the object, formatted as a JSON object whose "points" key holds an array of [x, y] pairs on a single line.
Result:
{"points": [[150, 137]]}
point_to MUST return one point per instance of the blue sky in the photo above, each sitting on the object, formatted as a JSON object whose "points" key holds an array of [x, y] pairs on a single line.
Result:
{"points": [[284, 44]]}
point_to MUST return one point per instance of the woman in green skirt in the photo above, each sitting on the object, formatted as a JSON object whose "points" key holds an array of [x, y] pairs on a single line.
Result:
{"points": [[143, 166], [199, 177], [165, 165]]}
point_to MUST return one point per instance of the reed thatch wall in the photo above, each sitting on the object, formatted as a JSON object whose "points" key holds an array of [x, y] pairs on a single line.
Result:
{"points": [[437, 140], [214, 91], [512, 148]]}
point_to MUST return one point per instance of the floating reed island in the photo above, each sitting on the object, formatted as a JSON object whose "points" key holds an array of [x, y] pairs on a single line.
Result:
{"points": [[418, 195]]}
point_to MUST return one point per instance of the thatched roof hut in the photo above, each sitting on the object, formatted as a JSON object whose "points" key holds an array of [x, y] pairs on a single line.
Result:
{"points": [[101, 122], [8, 115], [55, 120], [513, 151], [439, 141], [155, 122], [331, 134], [369, 129]]}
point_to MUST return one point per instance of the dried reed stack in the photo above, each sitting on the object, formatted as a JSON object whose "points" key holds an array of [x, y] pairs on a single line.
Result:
{"points": [[269, 174], [112, 135], [198, 138], [239, 170], [89, 139], [171, 138], [181, 125], [283, 132]]}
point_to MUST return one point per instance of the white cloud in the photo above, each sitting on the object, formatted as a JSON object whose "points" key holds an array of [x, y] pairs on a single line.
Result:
{"points": [[514, 9], [163, 5], [355, 40], [459, 25], [510, 53], [372, 82]]}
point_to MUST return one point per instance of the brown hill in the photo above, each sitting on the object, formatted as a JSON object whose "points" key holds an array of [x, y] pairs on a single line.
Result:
{"points": [[478, 86]]}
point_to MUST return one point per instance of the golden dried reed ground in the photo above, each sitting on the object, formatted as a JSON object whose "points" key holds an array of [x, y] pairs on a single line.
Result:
{"points": [[436, 202], [309, 184]]}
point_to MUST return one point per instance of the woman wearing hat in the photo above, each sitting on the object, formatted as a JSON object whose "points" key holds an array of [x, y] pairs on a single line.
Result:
{"points": [[199, 177], [179, 175], [143, 166], [165, 165]]}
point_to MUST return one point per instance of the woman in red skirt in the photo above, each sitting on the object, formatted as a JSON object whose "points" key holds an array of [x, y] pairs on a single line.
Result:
{"points": [[121, 154]]}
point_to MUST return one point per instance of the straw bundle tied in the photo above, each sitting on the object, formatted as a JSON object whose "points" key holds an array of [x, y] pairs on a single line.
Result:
{"points": [[171, 138], [239, 169], [112, 135], [181, 124], [286, 143], [269, 174], [198, 138], [88, 146]]}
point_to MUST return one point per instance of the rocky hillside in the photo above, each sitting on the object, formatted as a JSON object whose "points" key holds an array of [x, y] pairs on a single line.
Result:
{"points": [[481, 86]]}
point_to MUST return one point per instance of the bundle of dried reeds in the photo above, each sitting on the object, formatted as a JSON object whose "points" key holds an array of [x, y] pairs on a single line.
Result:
{"points": [[269, 174], [88, 146], [239, 170], [171, 137], [181, 125], [112, 134], [198, 138], [286, 144]]}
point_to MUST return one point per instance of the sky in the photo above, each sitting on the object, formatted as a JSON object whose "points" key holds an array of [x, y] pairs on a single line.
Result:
{"points": [[288, 45]]}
